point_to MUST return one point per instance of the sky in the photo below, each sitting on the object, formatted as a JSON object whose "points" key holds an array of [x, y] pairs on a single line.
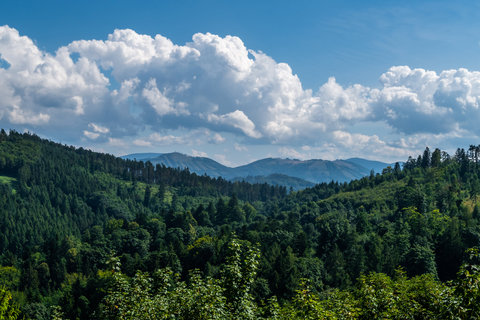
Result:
{"points": [[238, 81]]}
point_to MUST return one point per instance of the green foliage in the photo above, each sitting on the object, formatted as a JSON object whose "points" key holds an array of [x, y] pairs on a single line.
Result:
{"points": [[164, 295], [8, 310], [238, 276], [73, 209], [308, 305], [375, 296], [9, 277], [467, 287], [10, 182]]}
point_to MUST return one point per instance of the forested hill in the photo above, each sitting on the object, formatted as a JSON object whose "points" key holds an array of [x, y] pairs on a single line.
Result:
{"points": [[85, 235], [278, 179], [20, 153]]}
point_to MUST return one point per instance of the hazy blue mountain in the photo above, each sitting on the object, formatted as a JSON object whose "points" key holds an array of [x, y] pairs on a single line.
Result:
{"points": [[311, 170], [141, 156], [270, 170], [199, 165], [376, 166]]}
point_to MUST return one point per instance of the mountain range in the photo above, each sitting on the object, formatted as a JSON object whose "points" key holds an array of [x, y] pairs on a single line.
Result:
{"points": [[298, 174]]}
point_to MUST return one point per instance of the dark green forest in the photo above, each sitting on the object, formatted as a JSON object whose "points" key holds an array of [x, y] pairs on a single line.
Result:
{"points": [[85, 235]]}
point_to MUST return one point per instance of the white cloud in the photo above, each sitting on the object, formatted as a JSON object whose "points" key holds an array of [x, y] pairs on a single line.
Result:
{"points": [[238, 120], [223, 54], [369, 145], [290, 153], [115, 142], [159, 102], [78, 102], [216, 138], [197, 153], [98, 128], [44, 90], [221, 158], [18, 116], [213, 88], [166, 139], [421, 101], [91, 135], [127, 90], [142, 143], [211, 82], [239, 147], [97, 131]]}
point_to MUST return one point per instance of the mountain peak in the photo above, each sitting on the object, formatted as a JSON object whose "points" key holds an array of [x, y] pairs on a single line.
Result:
{"points": [[313, 170]]}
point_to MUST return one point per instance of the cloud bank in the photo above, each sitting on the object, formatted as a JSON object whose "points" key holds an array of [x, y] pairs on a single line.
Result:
{"points": [[147, 91]]}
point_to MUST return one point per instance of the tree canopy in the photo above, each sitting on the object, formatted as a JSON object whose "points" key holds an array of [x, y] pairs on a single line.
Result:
{"points": [[85, 235]]}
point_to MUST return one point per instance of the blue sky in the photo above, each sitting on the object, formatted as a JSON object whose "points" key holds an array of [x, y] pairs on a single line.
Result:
{"points": [[303, 79]]}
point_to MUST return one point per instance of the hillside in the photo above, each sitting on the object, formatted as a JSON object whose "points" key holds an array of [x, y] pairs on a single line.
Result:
{"points": [[277, 179], [84, 233], [199, 165]]}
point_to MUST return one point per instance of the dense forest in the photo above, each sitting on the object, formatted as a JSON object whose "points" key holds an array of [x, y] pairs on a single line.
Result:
{"points": [[85, 235]]}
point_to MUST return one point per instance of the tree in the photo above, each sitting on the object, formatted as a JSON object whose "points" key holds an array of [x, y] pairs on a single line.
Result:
{"points": [[397, 170], [426, 158], [238, 276], [235, 213], [146, 199], [436, 158], [8, 310], [164, 296], [473, 152], [467, 287], [375, 295]]}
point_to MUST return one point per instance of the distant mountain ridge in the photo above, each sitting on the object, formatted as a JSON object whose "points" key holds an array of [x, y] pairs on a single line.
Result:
{"points": [[270, 170], [376, 166], [199, 165]]}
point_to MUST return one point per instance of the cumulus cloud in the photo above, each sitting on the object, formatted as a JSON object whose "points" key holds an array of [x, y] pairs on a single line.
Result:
{"points": [[91, 135], [221, 158], [159, 101], [238, 120], [16, 115], [197, 153], [239, 147], [98, 128], [189, 138], [416, 101], [166, 139], [41, 89], [153, 92], [367, 144], [115, 142], [290, 153], [142, 143], [216, 138], [96, 132]]}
